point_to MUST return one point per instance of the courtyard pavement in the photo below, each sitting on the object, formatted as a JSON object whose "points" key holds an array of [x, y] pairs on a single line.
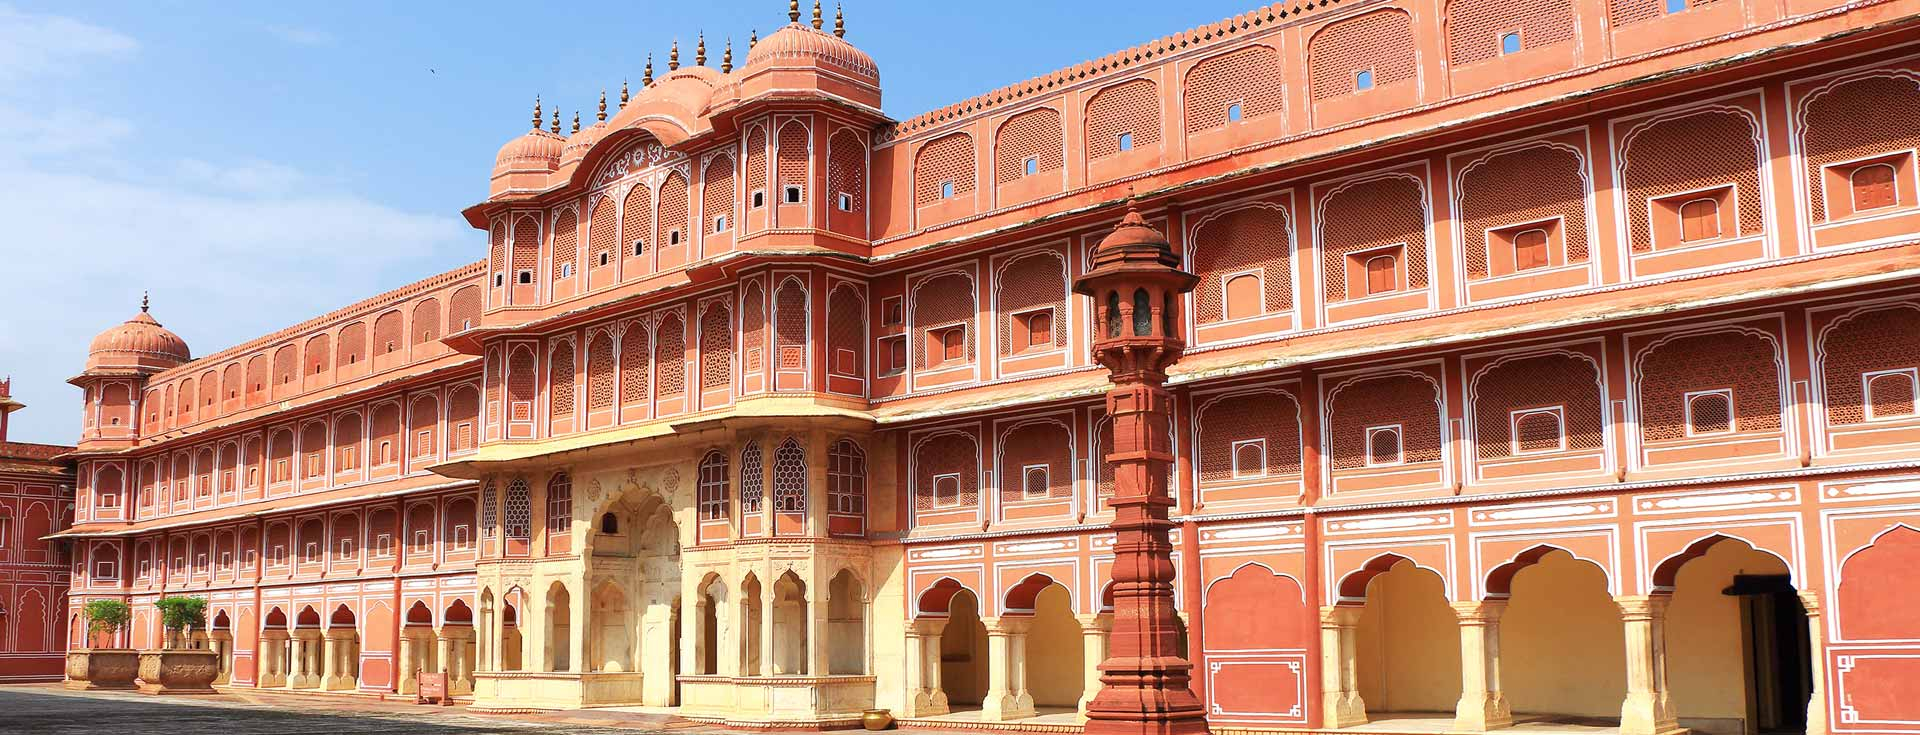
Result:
{"points": [[49, 709]]}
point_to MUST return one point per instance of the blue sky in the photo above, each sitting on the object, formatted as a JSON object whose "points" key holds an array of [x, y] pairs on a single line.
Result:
{"points": [[254, 165]]}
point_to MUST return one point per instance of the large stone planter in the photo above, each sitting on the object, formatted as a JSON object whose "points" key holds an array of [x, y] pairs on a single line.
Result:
{"points": [[101, 668], [178, 671]]}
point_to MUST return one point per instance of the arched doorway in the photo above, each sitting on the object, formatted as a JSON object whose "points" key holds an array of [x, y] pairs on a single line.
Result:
{"points": [[634, 578], [1407, 641], [340, 665], [559, 616], [1055, 659], [712, 611], [1560, 610], [275, 649], [307, 650], [963, 652], [1739, 658], [460, 644], [417, 646], [790, 649], [846, 624], [220, 637], [750, 630], [512, 658]]}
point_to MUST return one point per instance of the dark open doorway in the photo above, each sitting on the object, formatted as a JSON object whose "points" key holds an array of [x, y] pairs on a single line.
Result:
{"points": [[1779, 659]]}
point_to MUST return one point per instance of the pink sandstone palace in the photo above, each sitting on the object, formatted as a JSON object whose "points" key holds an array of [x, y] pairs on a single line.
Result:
{"points": [[1552, 360], [36, 500]]}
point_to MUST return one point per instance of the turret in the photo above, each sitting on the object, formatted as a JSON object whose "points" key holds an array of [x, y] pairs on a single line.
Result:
{"points": [[119, 362]]}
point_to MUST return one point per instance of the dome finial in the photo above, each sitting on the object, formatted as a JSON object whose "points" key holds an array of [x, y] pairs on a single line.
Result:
{"points": [[144, 302], [556, 121], [602, 117], [726, 57], [673, 56], [623, 85], [646, 77], [576, 121], [700, 51], [816, 15], [753, 39], [793, 11], [839, 21], [536, 112]]}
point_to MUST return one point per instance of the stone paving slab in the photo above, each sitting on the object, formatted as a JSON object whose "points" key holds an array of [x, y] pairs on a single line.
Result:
{"points": [[43, 710]]}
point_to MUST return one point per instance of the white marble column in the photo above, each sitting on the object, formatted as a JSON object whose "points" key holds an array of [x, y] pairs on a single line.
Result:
{"points": [[1647, 709], [1006, 670], [925, 698], [1482, 705], [1341, 705], [409, 681], [1094, 630]]}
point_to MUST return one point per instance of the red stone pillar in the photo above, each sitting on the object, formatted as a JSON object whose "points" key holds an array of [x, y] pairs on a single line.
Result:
{"points": [[1136, 284]]}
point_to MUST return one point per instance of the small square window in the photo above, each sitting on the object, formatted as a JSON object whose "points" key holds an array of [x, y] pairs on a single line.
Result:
{"points": [[1510, 43], [639, 248], [1383, 446], [499, 279], [793, 195], [1234, 112], [526, 277], [946, 190], [946, 344], [1250, 458], [759, 199], [1033, 330], [1890, 393], [1709, 412], [844, 202], [946, 490], [1363, 80], [673, 237], [1126, 141], [893, 354], [1676, 6], [1031, 166], [566, 271], [893, 313], [720, 223], [603, 258], [1035, 480]]}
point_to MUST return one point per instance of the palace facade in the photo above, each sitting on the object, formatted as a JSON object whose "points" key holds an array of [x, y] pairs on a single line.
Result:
{"points": [[1549, 361], [36, 501]]}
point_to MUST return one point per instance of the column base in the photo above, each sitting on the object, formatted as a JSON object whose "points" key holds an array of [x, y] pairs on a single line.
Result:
{"points": [[928, 703], [1004, 707], [270, 681], [1482, 713], [338, 683], [1642, 714], [1343, 709]]}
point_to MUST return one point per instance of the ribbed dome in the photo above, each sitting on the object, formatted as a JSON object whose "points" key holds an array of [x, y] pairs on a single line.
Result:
{"points": [[805, 44], [139, 342], [577, 144], [538, 150]]}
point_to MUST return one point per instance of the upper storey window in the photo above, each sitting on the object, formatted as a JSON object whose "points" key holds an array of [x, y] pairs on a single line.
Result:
{"points": [[1700, 220], [1873, 187], [1676, 6], [1510, 43], [1363, 80]]}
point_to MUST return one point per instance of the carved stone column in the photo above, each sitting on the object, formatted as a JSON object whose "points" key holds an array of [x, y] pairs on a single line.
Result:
{"points": [[330, 662], [1482, 705], [1341, 705], [272, 663], [409, 682], [1817, 660], [1094, 630], [925, 697], [1006, 667], [1647, 709], [1136, 284]]}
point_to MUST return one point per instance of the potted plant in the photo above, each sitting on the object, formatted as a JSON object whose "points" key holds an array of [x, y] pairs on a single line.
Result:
{"points": [[176, 670], [100, 665]]}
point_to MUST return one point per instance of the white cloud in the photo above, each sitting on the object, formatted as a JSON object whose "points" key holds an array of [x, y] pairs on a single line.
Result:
{"points": [[231, 249], [300, 36], [32, 45]]}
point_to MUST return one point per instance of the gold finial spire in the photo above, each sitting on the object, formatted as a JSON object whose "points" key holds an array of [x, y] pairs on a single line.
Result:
{"points": [[816, 15], [700, 51], [602, 117], [556, 121], [726, 57], [753, 39], [536, 112], [839, 21], [623, 85], [143, 302], [673, 56], [576, 121], [793, 11], [646, 77]]}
